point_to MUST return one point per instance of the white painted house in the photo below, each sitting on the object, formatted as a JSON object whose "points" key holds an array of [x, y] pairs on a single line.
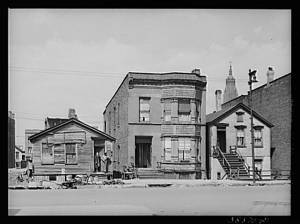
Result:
{"points": [[229, 144]]}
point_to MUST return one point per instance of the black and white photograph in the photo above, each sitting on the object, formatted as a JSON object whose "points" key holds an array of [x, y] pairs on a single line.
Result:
{"points": [[149, 112]]}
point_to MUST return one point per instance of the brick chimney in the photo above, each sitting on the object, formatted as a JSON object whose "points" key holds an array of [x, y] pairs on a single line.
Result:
{"points": [[270, 75], [72, 113], [218, 94], [196, 71]]}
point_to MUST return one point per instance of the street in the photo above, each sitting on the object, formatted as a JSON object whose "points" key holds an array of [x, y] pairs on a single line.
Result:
{"points": [[206, 200]]}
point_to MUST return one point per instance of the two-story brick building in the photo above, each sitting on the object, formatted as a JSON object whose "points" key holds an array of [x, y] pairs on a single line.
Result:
{"points": [[158, 120]]}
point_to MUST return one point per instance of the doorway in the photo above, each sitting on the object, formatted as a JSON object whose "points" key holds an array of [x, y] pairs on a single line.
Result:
{"points": [[221, 139], [98, 153], [143, 148]]}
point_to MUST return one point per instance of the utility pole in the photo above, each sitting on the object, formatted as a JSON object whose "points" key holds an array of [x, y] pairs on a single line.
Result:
{"points": [[252, 79]]}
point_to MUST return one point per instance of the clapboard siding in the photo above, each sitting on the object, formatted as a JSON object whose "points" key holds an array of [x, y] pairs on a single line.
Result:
{"points": [[71, 133]]}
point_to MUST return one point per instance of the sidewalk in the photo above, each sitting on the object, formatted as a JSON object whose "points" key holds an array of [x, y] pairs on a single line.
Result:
{"points": [[198, 183]]}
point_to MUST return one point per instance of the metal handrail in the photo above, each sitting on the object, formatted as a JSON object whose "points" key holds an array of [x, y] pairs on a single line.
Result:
{"points": [[224, 159]]}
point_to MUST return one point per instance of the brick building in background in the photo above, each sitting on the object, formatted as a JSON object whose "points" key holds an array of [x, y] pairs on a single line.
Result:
{"points": [[158, 120], [11, 140], [273, 100]]}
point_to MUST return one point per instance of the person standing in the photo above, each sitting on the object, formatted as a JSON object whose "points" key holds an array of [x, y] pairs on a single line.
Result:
{"points": [[30, 169], [106, 161], [98, 162]]}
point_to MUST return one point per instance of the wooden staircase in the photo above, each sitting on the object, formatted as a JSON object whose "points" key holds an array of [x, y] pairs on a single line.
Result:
{"points": [[149, 173], [233, 165]]}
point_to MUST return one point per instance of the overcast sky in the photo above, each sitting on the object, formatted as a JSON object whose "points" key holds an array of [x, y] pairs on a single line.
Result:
{"points": [[77, 58]]}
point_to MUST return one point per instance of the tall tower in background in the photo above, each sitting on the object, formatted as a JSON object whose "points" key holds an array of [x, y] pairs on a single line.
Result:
{"points": [[230, 89]]}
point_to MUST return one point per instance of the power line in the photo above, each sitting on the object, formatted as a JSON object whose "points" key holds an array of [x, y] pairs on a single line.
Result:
{"points": [[85, 73]]}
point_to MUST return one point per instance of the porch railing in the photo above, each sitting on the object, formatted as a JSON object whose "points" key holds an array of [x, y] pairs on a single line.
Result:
{"points": [[223, 159]]}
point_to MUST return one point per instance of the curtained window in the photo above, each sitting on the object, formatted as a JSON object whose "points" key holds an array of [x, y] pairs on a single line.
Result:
{"points": [[144, 109], [258, 137], [184, 150], [240, 137]]}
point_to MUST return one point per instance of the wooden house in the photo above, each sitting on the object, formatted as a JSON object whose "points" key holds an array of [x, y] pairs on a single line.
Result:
{"points": [[68, 148], [229, 143]]}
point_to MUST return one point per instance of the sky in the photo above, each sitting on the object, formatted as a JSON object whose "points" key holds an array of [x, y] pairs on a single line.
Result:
{"points": [[77, 58]]}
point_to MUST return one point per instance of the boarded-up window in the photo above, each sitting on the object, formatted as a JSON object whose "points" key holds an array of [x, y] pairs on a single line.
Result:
{"points": [[71, 154], [75, 137], [168, 149], [59, 154], [184, 150], [47, 154]]}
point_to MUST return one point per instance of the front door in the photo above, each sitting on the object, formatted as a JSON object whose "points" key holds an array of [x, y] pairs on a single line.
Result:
{"points": [[221, 140], [143, 152]]}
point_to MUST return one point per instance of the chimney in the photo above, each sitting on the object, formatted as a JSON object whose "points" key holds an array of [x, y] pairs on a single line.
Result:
{"points": [[196, 71], [218, 94], [270, 75], [72, 113]]}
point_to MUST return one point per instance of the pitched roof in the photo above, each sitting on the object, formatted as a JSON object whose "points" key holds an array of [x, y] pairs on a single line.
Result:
{"points": [[69, 121], [219, 115]]}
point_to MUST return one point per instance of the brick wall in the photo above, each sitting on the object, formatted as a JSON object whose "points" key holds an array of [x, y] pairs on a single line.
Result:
{"points": [[274, 103]]}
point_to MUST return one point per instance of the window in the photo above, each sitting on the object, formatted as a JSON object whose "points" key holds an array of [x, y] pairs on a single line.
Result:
{"points": [[184, 109], [29, 149], [258, 137], [59, 153], [114, 118], [184, 148], [17, 155], [167, 111], [240, 137], [47, 154], [197, 111], [168, 149], [71, 154], [144, 109], [109, 122], [239, 117]]}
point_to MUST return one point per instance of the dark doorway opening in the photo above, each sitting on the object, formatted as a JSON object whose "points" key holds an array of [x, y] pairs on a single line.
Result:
{"points": [[143, 148], [98, 154], [221, 139]]}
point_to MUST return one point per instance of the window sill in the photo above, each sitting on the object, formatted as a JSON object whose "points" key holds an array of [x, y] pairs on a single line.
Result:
{"points": [[241, 146], [258, 146]]}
